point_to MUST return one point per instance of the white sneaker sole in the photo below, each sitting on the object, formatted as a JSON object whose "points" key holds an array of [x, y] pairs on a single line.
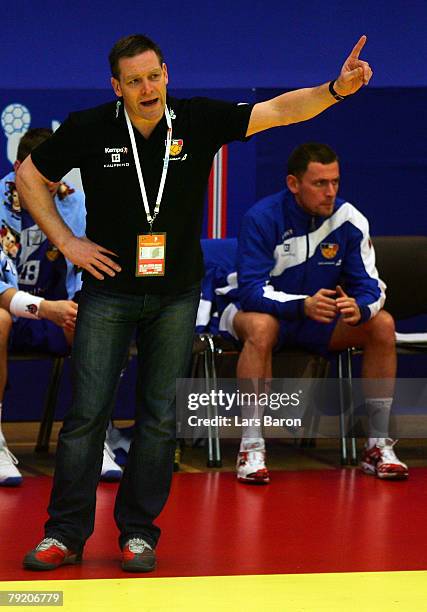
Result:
{"points": [[253, 479], [371, 471]]}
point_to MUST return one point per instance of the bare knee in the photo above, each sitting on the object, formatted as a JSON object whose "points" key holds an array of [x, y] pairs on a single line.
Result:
{"points": [[381, 329], [5, 326], [259, 329]]}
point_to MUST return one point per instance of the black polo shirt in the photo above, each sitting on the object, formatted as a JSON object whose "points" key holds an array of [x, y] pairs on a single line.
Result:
{"points": [[97, 141]]}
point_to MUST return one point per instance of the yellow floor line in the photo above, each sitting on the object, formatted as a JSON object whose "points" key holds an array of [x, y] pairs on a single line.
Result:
{"points": [[184, 468], [343, 592]]}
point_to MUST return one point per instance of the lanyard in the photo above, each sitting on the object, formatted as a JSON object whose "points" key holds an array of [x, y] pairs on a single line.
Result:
{"points": [[150, 218]]}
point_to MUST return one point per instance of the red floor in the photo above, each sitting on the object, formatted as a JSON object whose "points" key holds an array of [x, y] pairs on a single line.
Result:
{"points": [[305, 521]]}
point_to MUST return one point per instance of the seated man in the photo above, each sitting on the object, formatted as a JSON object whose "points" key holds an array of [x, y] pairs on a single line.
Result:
{"points": [[42, 269], [307, 278], [43, 272], [27, 321]]}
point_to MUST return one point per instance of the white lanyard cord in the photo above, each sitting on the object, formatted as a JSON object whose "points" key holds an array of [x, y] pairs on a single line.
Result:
{"points": [[150, 218]]}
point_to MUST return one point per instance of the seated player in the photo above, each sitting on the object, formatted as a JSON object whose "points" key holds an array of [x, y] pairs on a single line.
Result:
{"points": [[42, 269], [307, 278], [27, 321]]}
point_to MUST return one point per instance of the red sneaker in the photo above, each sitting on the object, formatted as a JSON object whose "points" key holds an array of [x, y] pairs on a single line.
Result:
{"points": [[381, 461], [50, 554]]}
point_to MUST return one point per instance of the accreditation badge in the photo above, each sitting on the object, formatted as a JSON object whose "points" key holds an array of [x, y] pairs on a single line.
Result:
{"points": [[150, 254]]}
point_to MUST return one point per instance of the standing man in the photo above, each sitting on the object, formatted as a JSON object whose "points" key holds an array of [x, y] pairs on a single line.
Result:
{"points": [[145, 161], [295, 248]]}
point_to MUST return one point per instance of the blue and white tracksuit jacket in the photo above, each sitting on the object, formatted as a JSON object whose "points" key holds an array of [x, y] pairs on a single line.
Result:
{"points": [[42, 269], [285, 255], [8, 273]]}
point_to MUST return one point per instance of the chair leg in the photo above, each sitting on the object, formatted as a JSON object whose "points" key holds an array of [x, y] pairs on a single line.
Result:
{"points": [[343, 438], [210, 461], [353, 450], [214, 449], [217, 445], [46, 423]]}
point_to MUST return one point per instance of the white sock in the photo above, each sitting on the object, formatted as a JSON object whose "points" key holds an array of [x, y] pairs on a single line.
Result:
{"points": [[253, 414], [378, 409], [252, 444], [252, 432], [376, 442]]}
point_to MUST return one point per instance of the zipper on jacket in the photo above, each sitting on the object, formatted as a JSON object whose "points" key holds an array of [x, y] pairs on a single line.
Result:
{"points": [[311, 228]]}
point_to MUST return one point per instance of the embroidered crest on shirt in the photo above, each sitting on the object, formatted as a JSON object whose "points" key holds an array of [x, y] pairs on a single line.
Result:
{"points": [[52, 253], [177, 144]]}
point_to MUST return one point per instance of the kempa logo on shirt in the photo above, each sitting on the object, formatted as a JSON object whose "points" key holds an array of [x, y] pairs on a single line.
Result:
{"points": [[114, 157]]}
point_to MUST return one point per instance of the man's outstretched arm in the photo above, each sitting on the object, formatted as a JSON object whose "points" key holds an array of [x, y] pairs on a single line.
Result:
{"points": [[33, 190], [303, 104]]}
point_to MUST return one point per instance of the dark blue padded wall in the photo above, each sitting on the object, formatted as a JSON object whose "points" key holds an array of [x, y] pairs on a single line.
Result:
{"points": [[380, 136], [214, 43]]}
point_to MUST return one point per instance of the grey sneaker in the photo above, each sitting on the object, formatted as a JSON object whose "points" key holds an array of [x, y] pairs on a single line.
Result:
{"points": [[138, 556], [49, 555]]}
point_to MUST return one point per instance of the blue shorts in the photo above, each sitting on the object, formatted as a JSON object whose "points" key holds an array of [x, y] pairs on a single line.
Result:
{"points": [[37, 335], [305, 333], [311, 335]]}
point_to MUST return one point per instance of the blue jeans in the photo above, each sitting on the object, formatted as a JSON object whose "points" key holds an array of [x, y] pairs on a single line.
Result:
{"points": [[164, 327]]}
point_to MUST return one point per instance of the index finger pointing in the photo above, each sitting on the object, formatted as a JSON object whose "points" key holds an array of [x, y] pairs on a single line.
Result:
{"points": [[358, 47]]}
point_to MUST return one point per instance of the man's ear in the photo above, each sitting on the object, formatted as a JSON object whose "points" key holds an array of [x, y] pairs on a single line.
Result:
{"points": [[116, 87], [292, 183], [165, 72], [16, 165]]}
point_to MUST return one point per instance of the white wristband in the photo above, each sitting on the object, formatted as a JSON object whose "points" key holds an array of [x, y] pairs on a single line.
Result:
{"points": [[24, 304]]}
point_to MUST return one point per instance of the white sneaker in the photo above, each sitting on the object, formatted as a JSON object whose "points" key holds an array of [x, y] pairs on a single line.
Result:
{"points": [[250, 464], [110, 470], [380, 460], [9, 474]]}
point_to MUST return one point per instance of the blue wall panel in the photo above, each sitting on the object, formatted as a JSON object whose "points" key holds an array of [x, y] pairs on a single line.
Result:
{"points": [[214, 43], [380, 137]]}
